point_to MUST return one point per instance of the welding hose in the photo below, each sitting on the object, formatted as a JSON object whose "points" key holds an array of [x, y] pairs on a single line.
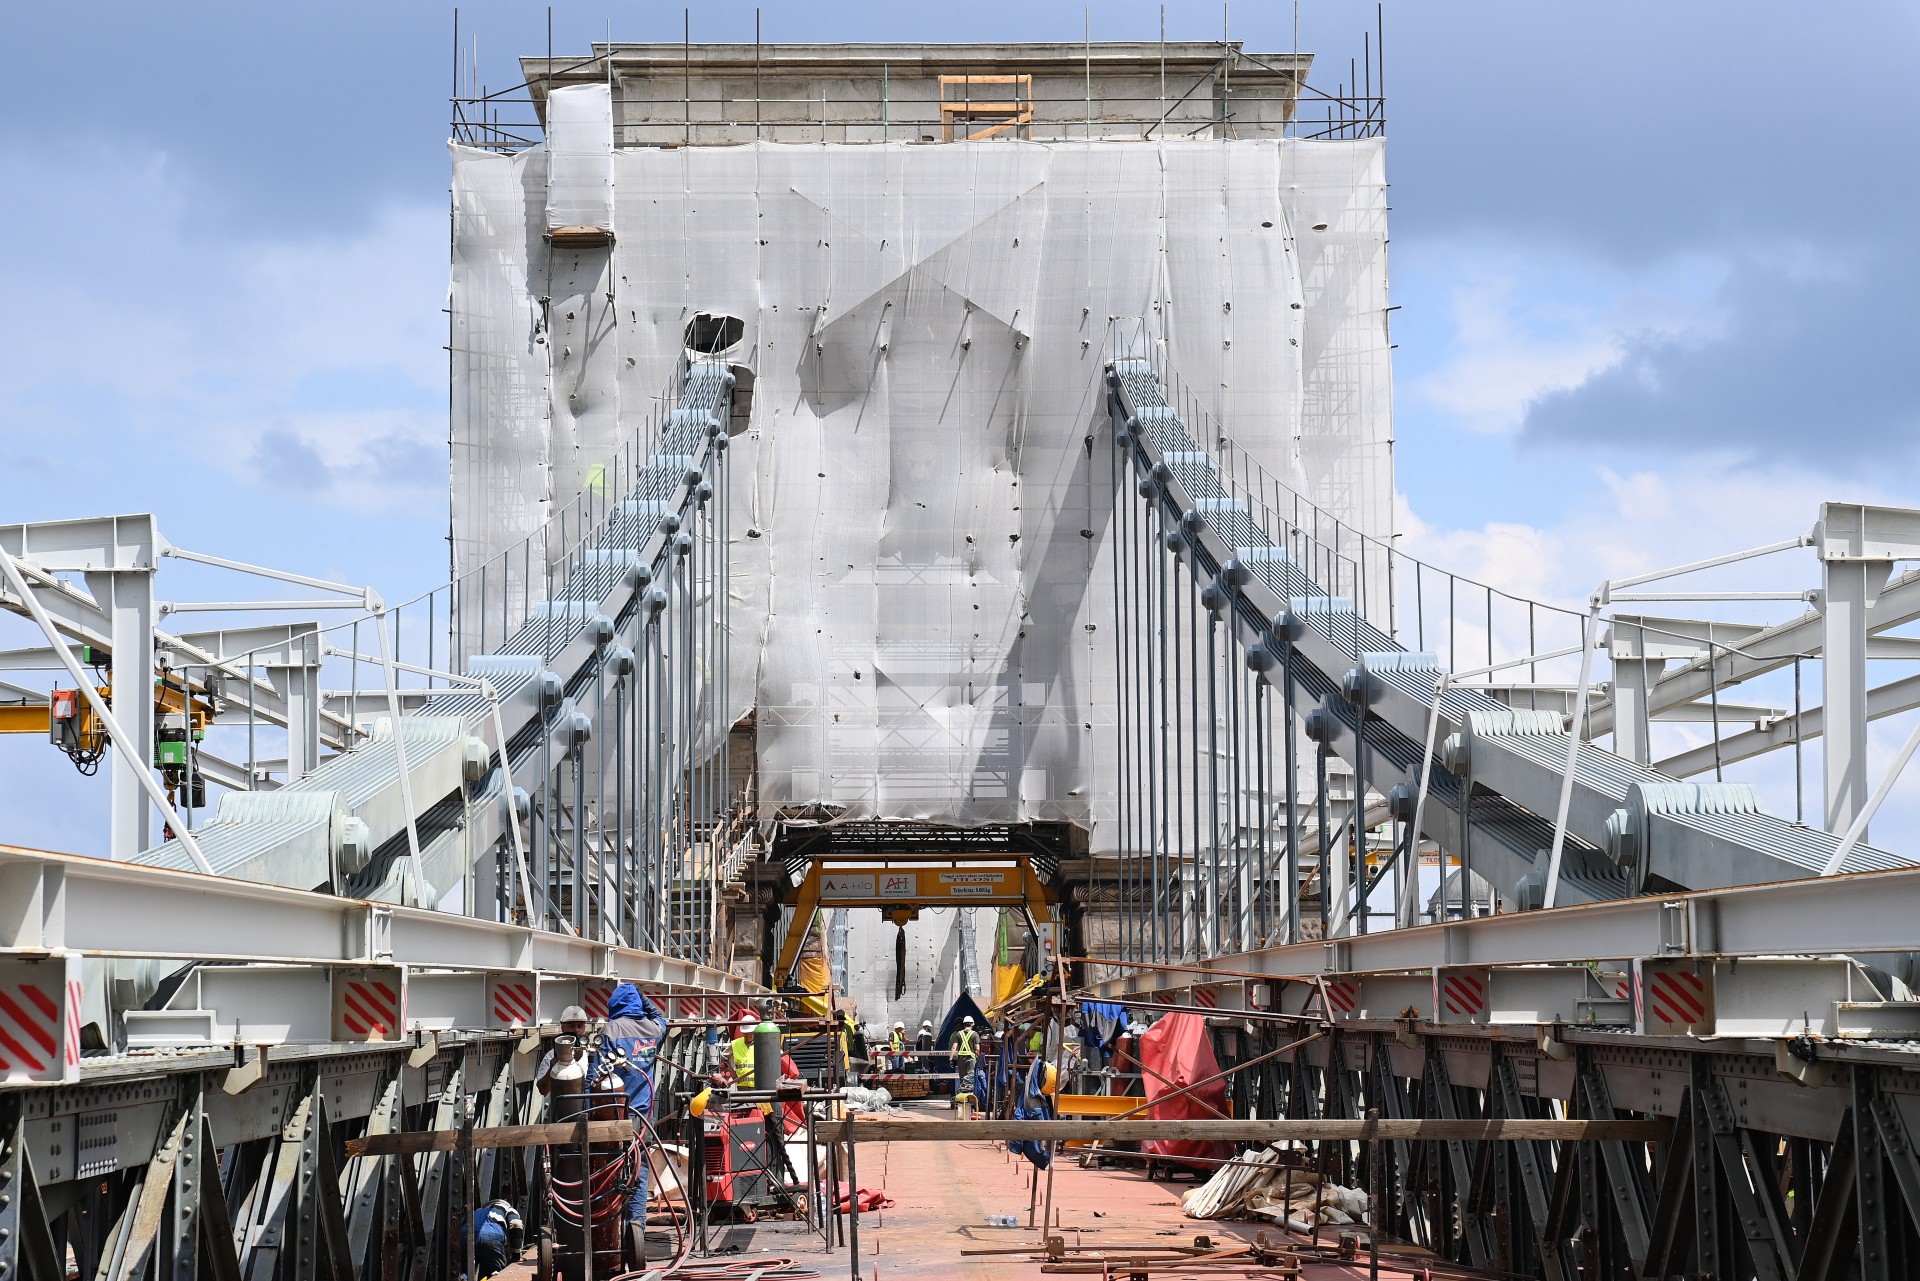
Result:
{"points": [[645, 1135], [646, 1139], [574, 1210]]}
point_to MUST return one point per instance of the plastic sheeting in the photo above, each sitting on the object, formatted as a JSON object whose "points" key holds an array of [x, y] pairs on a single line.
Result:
{"points": [[921, 573]]}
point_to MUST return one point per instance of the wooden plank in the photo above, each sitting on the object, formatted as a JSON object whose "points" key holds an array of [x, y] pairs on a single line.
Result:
{"points": [[412, 1142], [1415, 1128], [879, 1130]]}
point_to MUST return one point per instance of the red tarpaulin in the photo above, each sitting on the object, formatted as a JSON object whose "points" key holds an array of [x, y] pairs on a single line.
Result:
{"points": [[1176, 1052]]}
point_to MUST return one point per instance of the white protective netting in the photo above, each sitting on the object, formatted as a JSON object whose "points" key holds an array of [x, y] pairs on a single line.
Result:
{"points": [[921, 574]]}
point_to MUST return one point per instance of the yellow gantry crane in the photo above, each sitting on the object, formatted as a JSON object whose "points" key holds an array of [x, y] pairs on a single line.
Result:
{"points": [[902, 886], [182, 711]]}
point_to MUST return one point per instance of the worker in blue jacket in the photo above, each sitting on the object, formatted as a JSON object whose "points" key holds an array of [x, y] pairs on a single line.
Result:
{"points": [[498, 1237], [626, 1049]]}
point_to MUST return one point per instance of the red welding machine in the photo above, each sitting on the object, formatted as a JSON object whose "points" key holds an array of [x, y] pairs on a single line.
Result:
{"points": [[737, 1157]]}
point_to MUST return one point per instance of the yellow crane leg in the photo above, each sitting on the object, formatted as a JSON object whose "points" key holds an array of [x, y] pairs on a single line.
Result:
{"points": [[798, 928]]}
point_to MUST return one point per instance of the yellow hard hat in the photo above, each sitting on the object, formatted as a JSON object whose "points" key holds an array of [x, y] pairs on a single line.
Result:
{"points": [[1050, 1080], [698, 1103]]}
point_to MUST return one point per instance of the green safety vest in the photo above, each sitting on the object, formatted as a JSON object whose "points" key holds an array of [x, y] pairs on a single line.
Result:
{"points": [[742, 1062], [963, 1041]]}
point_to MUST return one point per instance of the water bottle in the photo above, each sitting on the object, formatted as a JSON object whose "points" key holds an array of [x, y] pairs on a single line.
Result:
{"points": [[1003, 1221]]}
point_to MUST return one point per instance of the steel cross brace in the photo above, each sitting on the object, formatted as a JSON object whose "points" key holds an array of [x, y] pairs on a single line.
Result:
{"points": [[26, 1241], [1884, 1145], [1755, 1200], [216, 1243], [180, 1239], [1534, 1172], [273, 1220], [328, 1216], [432, 1170], [361, 1182], [1473, 1227], [1392, 1092], [1825, 1254], [1625, 1176], [1667, 1247]]}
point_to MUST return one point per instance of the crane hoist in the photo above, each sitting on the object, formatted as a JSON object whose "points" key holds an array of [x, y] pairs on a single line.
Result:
{"points": [[182, 710]]}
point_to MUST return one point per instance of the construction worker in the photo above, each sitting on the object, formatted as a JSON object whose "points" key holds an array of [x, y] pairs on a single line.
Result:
{"points": [[966, 1050], [740, 1052], [856, 1042], [570, 1046], [498, 1237], [618, 1059], [625, 1053], [923, 1044], [897, 1046]]}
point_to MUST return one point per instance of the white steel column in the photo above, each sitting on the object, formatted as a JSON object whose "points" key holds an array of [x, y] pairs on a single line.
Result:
{"points": [[299, 684], [117, 555], [1858, 546], [126, 596], [1632, 678], [1850, 586], [1637, 665]]}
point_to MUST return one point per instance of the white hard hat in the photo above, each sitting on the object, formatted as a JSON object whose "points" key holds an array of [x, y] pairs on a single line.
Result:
{"points": [[573, 1014], [898, 1023], [926, 1022], [967, 1021]]}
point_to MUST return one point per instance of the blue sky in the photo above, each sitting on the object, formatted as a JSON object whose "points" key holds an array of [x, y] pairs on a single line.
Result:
{"points": [[1654, 265]]}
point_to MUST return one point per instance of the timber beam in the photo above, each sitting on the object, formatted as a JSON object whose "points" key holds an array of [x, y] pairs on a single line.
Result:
{"points": [[1275, 1130]]}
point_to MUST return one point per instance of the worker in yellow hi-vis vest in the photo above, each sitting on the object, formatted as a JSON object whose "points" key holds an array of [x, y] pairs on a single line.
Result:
{"points": [[897, 1047], [966, 1050], [742, 1052]]}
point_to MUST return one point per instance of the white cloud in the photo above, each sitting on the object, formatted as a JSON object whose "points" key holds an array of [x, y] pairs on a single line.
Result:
{"points": [[185, 352], [1526, 322]]}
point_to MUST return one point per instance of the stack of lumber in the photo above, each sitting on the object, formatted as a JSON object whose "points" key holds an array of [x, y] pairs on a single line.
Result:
{"points": [[1260, 1184]]}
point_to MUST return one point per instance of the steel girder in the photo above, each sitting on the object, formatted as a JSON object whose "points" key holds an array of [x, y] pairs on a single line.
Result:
{"points": [[1744, 1191], [67, 903], [1765, 651], [1862, 913], [282, 1204], [187, 1167]]}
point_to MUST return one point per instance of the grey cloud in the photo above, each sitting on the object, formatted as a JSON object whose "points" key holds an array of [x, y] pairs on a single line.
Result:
{"points": [[397, 461], [283, 460], [410, 462], [1818, 369]]}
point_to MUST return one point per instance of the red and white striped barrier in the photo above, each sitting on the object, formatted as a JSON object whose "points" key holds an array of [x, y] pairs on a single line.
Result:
{"points": [[1673, 997], [1460, 995], [40, 1020], [513, 1000], [369, 1004]]}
